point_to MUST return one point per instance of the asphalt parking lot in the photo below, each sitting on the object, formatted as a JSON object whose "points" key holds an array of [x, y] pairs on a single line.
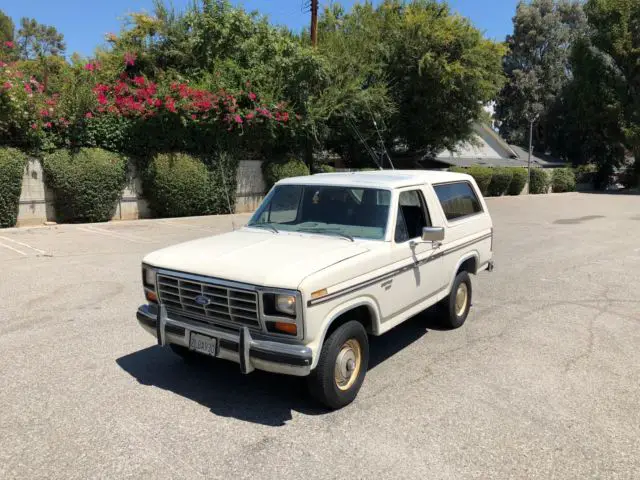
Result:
{"points": [[543, 381]]}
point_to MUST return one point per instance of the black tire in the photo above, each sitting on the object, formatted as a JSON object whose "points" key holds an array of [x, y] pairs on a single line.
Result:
{"points": [[451, 318], [322, 381], [189, 356]]}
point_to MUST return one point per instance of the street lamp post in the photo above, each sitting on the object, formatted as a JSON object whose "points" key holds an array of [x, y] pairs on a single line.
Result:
{"points": [[529, 160]]}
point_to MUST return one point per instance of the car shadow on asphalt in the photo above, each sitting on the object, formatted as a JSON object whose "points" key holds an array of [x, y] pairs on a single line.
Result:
{"points": [[261, 397]]}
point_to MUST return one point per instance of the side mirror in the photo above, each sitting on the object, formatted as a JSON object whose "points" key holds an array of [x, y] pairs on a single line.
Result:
{"points": [[432, 234]]}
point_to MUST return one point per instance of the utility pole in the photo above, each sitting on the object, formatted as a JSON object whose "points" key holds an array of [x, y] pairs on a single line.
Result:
{"points": [[314, 23], [529, 161]]}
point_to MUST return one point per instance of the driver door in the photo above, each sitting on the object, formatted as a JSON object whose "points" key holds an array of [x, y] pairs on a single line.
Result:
{"points": [[419, 277]]}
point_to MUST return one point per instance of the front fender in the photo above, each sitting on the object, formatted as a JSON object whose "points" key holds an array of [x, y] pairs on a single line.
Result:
{"points": [[337, 312]]}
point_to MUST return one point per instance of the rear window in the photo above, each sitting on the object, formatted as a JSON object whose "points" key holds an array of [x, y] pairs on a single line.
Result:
{"points": [[457, 199]]}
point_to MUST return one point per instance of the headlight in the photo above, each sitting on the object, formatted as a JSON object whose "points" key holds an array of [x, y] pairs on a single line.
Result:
{"points": [[149, 277], [286, 304]]}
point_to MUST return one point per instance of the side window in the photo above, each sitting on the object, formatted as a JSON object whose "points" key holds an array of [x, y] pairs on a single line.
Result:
{"points": [[457, 199], [412, 217]]}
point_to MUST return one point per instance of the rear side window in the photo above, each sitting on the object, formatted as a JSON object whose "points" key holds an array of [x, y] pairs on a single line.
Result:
{"points": [[457, 199]]}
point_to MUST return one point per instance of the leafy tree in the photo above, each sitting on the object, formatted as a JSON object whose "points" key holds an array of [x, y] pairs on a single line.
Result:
{"points": [[7, 28], [537, 66], [421, 72], [615, 40], [40, 42]]}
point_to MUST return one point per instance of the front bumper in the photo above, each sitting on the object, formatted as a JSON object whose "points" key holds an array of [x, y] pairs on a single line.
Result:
{"points": [[250, 350]]}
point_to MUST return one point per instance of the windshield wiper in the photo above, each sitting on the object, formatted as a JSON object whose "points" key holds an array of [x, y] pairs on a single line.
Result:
{"points": [[328, 232], [265, 225]]}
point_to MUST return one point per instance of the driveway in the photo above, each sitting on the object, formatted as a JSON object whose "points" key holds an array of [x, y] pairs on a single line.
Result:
{"points": [[543, 381]]}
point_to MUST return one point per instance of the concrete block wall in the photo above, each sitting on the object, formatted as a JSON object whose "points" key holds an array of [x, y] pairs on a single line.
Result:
{"points": [[37, 207]]}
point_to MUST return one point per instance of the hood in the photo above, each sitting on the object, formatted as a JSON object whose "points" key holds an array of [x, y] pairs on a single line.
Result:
{"points": [[257, 257]]}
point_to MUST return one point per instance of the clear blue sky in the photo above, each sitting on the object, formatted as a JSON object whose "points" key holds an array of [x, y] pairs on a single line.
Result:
{"points": [[85, 22]]}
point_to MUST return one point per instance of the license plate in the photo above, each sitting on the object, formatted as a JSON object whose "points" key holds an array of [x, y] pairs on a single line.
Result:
{"points": [[203, 344]]}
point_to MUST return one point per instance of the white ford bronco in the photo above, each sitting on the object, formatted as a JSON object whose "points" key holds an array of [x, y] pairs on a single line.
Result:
{"points": [[325, 261]]}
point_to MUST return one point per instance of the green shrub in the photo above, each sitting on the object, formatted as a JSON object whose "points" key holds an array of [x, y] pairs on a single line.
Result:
{"points": [[482, 176], [276, 171], [500, 181], [518, 181], [539, 181], [12, 164], [180, 185], [324, 168], [87, 184], [585, 173], [563, 180]]}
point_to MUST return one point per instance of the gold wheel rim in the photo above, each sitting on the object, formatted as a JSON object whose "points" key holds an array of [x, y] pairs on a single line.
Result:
{"points": [[462, 298], [348, 364]]}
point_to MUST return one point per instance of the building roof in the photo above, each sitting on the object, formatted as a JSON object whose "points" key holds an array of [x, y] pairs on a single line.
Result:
{"points": [[388, 179]]}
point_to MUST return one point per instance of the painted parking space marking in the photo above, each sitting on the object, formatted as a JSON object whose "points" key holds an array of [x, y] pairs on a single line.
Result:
{"points": [[41, 252], [14, 249], [120, 236]]}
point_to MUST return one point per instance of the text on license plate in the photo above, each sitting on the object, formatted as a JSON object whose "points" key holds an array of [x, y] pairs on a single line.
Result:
{"points": [[203, 344]]}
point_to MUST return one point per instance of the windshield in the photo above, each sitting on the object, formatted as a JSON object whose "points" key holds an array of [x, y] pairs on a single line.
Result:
{"points": [[330, 210]]}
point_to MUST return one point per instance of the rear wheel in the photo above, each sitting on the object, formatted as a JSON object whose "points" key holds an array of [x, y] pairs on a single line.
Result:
{"points": [[456, 306], [342, 366]]}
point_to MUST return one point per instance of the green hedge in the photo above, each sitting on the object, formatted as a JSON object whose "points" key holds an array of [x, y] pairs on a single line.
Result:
{"points": [[585, 173], [12, 164], [325, 169], [563, 180], [518, 181], [180, 185], [500, 181], [539, 181], [275, 171], [87, 184]]}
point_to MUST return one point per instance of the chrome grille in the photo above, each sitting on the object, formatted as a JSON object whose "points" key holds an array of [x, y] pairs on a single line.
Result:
{"points": [[226, 305]]}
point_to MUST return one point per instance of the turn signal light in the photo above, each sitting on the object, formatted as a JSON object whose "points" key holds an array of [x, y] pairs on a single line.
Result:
{"points": [[151, 296], [318, 294], [289, 328]]}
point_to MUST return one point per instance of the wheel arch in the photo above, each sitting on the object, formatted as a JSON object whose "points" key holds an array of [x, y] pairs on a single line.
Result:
{"points": [[364, 310], [468, 262]]}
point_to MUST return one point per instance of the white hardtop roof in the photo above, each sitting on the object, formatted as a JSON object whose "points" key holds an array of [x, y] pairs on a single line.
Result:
{"points": [[385, 179]]}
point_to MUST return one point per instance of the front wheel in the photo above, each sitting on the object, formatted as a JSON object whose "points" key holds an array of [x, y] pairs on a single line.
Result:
{"points": [[455, 307], [342, 366]]}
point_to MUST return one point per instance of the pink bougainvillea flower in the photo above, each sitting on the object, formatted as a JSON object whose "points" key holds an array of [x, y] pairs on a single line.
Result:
{"points": [[170, 104], [90, 67], [193, 116], [34, 126], [7, 85], [102, 100], [285, 116], [27, 88], [249, 116], [2, 64], [238, 119], [48, 125], [139, 81], [88, 115], [44, 112], [9, 44], [252, 96], [157, 103], [130, 59]]}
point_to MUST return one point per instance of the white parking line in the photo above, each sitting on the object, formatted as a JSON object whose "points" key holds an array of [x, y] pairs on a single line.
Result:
{"points": [[24, 245], [121, 236], [186, 225], [14, 249]]}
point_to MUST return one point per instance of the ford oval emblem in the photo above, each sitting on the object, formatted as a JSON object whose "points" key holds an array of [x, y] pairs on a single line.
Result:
{"points": [[202, 300]]}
